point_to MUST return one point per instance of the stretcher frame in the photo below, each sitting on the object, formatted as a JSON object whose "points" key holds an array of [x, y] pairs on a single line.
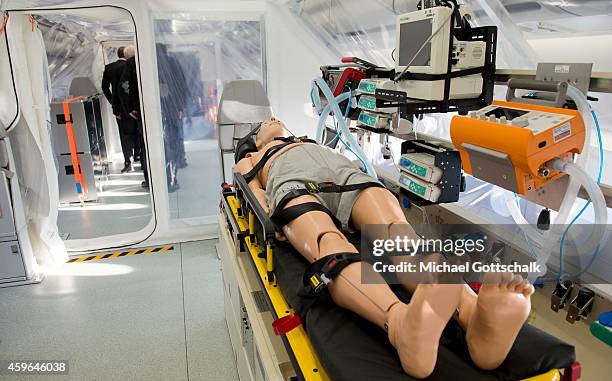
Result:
{"points": [[254, 234]]}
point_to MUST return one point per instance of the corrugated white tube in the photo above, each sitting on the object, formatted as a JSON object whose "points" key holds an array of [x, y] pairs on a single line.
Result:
{"points": [[549, 241]]}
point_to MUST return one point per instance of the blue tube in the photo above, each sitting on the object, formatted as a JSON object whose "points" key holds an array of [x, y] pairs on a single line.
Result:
{"points": [[323, 116], [584, 208], [333, 106]]}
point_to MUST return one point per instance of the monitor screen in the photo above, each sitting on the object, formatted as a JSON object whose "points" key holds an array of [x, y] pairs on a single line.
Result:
{"points": [[412, 35], [509, 113]]}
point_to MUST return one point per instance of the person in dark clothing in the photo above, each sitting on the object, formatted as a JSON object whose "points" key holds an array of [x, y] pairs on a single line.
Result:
{"points": [[128, 133], [130, 103], [173, 90]]}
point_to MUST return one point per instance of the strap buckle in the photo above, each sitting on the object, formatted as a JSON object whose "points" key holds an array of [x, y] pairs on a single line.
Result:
{"points": [[312, 187], [326, 186], [320, 279], [318, 282]]}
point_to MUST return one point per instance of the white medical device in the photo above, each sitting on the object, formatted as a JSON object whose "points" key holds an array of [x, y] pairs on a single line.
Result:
{"points": [[422, 46]]}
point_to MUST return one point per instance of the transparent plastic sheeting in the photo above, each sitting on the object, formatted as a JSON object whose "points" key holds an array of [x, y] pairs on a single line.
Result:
{"points": [[195, 59], [367, 30], [75, 47]]}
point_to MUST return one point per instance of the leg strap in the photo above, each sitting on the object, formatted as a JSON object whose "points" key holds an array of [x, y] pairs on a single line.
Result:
{"points": [[283, 216], [319, 274]]}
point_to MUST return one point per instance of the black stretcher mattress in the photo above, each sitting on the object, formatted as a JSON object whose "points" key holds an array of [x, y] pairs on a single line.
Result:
{"points": [[351, 348]]}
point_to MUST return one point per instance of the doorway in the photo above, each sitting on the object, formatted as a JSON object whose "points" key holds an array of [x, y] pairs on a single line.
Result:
{"points": [[207, 54]]}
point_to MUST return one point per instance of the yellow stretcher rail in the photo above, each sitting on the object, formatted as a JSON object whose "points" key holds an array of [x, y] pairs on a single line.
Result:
{"points": [[303, 351]]}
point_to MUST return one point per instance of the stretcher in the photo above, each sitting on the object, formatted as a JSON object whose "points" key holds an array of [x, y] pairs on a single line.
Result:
{"points": [[331, 343]]}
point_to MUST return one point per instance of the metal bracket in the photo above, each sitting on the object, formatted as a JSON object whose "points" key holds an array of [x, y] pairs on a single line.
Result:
{"points": [[581, 305], [560, 295]]}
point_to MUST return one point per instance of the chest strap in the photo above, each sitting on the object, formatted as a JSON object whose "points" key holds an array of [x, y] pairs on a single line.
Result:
{"points": [[264, 159], [319, 274], [271, 152], [282, 216]]}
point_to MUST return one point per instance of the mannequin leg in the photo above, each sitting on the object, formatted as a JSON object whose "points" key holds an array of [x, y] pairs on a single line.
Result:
{"points": [[414, 329], [314, 235], [492, 318]]}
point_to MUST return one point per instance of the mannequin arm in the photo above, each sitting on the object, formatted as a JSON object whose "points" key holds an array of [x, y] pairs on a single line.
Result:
{"points": [[243, 167]]}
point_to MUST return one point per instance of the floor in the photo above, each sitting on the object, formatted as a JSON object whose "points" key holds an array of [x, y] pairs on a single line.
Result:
{"points": [[145, 317], [122, 206], [199, 182]]}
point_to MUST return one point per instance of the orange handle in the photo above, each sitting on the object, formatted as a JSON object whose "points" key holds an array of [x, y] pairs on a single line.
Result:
{"points": [[81, 187]]}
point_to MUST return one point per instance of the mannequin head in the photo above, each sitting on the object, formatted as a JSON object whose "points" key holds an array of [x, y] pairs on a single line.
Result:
{"points": [[270, 129]]}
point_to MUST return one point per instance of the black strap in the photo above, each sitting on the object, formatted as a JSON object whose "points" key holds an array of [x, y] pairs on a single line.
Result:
{"points": [[282, 217], [273, 150], [295, 139], [330, 187], [266, 156], [319, 274]]}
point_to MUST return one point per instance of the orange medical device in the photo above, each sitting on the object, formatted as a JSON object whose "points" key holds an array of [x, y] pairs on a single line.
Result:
{"points": [[508, 144]]}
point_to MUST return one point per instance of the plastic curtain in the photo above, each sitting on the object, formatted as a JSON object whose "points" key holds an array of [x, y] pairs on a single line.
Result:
{"points": [[73, 46], [195, 58]]}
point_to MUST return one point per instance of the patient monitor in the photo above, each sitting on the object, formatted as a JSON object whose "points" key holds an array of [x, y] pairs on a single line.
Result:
{"points": [[423, 45]]}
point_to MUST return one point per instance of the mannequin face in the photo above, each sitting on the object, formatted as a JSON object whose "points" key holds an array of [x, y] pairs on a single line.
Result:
{"points": [[270, 129]]}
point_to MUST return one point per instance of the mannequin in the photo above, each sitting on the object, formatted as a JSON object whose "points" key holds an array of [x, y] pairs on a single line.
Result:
{"points": [[490, 319]]}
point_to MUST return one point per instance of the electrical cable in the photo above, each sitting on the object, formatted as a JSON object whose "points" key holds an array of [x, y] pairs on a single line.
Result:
{"points": [[442, 25]]}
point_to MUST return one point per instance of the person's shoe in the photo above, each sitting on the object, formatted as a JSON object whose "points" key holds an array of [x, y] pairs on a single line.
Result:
{"points": [[173, 187], [127, 168], [145, 185]]}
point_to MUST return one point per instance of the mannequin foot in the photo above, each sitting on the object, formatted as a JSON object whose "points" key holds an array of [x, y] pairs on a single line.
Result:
{"points": [[415, 328], [503, 304]]}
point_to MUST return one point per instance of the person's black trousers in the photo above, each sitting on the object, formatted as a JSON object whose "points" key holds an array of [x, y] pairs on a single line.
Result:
{"points": [[128, 134]]}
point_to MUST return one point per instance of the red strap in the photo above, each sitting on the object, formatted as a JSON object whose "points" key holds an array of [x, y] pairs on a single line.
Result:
{"points": [[286, 324], [573, 372], [475, 285], [33, 22], [6, 17]]}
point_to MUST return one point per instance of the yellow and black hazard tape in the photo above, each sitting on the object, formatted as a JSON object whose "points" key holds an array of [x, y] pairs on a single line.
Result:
{"points": [[126, 253]]}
